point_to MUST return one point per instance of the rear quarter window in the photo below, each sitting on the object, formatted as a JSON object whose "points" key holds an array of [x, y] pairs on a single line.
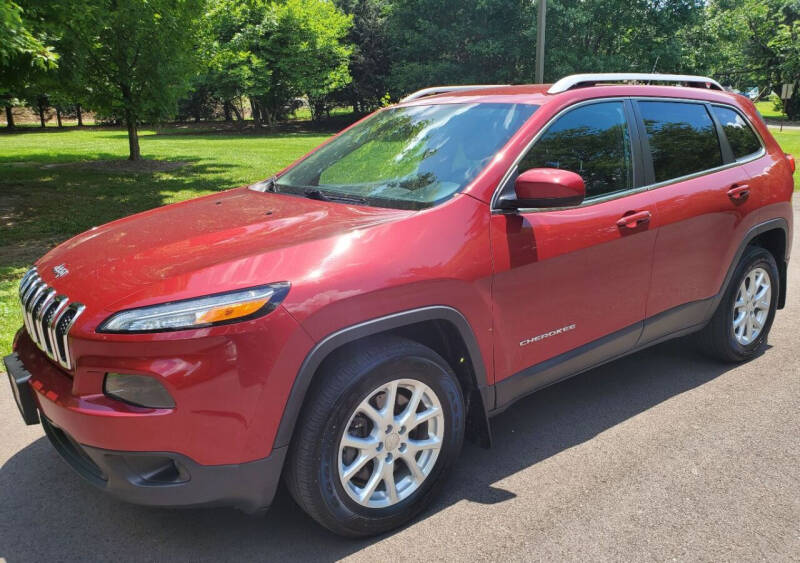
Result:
{"points": [[740, 135], [682, 137]]}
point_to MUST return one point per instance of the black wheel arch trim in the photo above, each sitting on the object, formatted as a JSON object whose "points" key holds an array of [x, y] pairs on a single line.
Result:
{"points": [[750, 235], [355, 332]]}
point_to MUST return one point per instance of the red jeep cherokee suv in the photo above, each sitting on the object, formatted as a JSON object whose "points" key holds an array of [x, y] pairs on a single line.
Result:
{"points": [[345, 323]]}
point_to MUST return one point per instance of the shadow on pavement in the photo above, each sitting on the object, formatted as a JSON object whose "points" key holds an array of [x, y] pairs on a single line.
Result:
{"points": [[48, 512]]}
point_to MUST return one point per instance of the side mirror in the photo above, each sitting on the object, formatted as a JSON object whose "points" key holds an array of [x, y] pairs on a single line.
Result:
{"points": [[548, 187]]}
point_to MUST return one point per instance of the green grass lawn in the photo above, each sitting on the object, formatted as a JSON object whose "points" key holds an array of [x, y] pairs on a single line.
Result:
{"points": [[53, 187], [766, 109], [789, 140]]}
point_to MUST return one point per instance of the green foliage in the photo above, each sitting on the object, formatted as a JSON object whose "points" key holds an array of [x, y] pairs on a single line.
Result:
{"points": [[129, 60], [618, 36], [494, 41], [137, 54], [18, 40], [456, 42], [753, 42], [370, 60], [273, 52]]}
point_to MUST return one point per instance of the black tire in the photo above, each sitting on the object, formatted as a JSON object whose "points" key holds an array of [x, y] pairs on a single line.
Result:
{"points": [[347, 378], [718, 337]]}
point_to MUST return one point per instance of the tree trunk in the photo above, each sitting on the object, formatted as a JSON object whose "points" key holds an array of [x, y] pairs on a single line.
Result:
{"points": [[80, 115], [256, 113], [9, 117], [133, 140], [239, 116], [130, 121], [226, 108], [58, 118], [41, 116]]}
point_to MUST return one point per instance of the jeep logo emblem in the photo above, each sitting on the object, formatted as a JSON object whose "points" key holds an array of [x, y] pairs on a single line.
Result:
{"points": [[60, 271]]}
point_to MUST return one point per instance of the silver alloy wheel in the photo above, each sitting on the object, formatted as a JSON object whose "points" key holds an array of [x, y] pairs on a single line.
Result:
{"points": [[391, 443], [751, 308]]}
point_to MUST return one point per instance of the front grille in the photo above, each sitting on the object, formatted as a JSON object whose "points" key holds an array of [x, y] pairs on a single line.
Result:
{"points": [[48, 317]]}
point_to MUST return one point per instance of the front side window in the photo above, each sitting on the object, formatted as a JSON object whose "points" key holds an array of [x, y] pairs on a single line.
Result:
{"points": [[592, 141], [740, 136], [409, 157], [682, 137]]}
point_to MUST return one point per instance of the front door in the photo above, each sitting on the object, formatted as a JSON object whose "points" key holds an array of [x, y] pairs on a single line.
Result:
{"points": [[570, 285]]}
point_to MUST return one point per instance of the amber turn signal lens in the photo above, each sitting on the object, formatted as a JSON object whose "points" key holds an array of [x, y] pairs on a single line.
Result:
{"points": [[228, 312]]}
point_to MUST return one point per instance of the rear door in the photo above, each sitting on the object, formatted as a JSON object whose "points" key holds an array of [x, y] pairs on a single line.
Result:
{"points": [[570, 285], [698, 188]]}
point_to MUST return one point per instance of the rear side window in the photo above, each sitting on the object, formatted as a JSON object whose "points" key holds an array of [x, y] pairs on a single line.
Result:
{"points": [[592, 141], [739, 133], [682, 136]]}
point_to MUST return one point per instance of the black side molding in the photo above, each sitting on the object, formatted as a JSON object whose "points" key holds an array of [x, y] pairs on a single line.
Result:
{"points": [[368, 328]]}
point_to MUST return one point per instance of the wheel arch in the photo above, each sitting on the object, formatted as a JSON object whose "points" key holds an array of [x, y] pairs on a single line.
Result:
{"points": [[752, 237], [774, 240], [442, 328]]}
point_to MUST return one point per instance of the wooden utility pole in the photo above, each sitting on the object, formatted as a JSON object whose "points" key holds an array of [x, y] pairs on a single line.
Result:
{"points": [[540, 19]]}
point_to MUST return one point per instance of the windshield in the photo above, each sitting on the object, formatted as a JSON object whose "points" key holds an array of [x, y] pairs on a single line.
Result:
{"points": [[410, 157]]}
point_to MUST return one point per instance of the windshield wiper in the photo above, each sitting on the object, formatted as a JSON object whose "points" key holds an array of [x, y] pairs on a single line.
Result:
{"points": [[268, 185], [313, 193]]}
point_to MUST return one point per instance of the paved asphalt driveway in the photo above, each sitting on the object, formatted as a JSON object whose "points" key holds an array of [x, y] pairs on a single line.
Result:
{"points": [[664, 455]]}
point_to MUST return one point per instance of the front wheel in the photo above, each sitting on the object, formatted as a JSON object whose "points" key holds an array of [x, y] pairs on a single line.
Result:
{"points": [[383, 423]]}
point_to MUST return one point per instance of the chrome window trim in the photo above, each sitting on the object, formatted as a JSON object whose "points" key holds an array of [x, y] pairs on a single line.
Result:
{"points": [[616, 195], [749, 124]]}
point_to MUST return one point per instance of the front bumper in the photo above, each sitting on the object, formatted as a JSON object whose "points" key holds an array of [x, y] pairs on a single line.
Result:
{"points": [[144, 477], [170, 479]]}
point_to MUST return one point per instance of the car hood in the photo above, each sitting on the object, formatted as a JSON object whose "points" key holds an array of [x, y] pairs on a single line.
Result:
{"points": [[211, 244]]}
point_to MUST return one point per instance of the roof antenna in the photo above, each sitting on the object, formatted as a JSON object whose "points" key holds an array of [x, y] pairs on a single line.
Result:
{"points": [[655, 63]]}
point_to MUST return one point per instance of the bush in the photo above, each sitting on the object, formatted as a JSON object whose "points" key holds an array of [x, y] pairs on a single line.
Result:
{"points": [[777, 103]]}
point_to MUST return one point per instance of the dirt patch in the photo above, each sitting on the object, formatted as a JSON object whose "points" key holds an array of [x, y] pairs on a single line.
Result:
{"points": [[125, 166], [24, 254]]}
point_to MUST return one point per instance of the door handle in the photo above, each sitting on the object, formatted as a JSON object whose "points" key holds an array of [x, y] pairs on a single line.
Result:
{"points": [[739, 192], [634, 219]]}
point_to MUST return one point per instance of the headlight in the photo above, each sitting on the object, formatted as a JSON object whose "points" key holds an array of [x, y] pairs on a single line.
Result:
{"points": [[222, 308]]}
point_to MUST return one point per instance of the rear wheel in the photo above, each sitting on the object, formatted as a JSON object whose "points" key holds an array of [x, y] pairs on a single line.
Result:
{"points": [[383, 423], [740, 326]]}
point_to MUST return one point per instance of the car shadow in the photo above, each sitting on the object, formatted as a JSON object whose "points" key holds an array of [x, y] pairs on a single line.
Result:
{"points": [[49, 512]]}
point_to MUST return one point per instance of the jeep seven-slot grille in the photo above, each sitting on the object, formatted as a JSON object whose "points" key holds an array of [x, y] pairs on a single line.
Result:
{"points": [[48, 317]]}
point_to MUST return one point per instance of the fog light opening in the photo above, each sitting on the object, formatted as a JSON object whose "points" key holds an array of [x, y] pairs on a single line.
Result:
{"points": [[138, 390]]}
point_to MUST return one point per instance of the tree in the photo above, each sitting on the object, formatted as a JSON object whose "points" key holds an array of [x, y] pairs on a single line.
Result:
{"points": [[25, 54], [136, 56], [456, 42], [493, 41], [754, 42], [274, 52], [618, 35], [18, 38], [370, 60]]}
